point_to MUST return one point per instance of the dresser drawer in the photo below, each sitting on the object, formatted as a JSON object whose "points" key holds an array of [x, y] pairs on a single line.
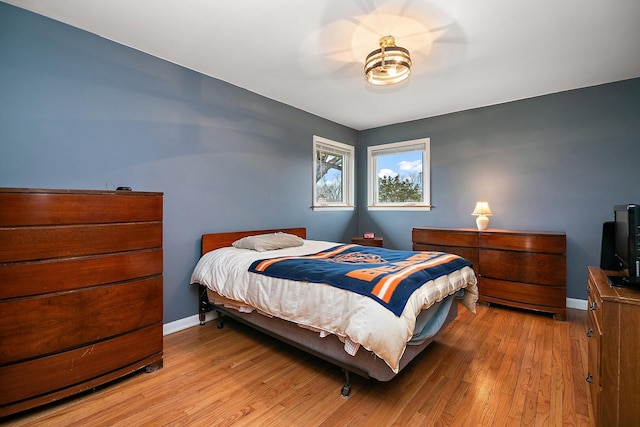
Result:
{"points": [[43, 277], [70, 319], [527, 267], [594, 375], [521, 294], [445, 237], [470, 254], [523, 242], [61, 207], [40, 243], [60, 370], [594, 305]]}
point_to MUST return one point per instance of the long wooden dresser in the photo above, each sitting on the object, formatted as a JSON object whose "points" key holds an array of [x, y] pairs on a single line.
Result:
{"points": [[614, 351], [525, 269], [80, 291]]}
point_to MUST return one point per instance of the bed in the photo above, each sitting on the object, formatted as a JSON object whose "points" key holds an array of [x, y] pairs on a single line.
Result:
{"points": [[346, 326]]}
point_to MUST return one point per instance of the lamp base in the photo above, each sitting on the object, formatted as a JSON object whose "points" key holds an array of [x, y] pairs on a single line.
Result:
{"points": [[482, 222]]}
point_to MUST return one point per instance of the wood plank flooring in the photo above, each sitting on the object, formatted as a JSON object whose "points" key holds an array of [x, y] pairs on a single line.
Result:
{"points": [[500, 367]]}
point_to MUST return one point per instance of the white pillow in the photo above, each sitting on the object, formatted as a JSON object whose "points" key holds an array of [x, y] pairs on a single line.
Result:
{"points": [[268, 242]]}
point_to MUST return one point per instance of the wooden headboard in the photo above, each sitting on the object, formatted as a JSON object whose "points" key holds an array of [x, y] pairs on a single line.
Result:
{"points": [[221, 240]]}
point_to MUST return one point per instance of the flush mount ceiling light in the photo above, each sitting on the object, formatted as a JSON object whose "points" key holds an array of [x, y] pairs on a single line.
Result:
{"points": [[388, 65]]}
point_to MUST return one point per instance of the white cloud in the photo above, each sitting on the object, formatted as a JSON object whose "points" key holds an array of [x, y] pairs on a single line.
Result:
{"points": [[411, 166], [386, 172]]}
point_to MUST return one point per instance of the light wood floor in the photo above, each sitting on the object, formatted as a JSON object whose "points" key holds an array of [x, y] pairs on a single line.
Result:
{"points": [[499, 367]]}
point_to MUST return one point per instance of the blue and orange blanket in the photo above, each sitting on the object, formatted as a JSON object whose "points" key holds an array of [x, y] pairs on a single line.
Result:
{"points": [[388, 276]]}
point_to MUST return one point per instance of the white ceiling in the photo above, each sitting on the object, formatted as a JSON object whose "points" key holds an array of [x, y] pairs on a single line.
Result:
{"points": [[309, 53]]}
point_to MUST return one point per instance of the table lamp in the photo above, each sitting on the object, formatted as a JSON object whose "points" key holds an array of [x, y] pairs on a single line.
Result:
{"points": [[481, 211]]}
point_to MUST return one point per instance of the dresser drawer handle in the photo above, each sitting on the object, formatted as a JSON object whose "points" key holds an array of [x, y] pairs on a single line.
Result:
{"points": [[589, 332], [589, 378], [594, 305]]}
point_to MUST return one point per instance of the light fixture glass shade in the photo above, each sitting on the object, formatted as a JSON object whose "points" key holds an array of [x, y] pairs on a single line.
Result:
{"points": [[482, 210], [388, 65]]}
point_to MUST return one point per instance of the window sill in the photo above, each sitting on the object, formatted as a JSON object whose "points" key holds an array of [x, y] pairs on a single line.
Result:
{"points": [[399, 208], [321, 208]]}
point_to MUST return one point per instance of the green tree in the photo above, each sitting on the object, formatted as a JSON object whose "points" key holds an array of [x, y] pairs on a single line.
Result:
{"points": [[396, 190]]}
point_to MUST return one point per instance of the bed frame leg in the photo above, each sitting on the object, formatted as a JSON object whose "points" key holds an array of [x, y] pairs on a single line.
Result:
{"points": [[220, 323], [346, 388], [204, 303]]}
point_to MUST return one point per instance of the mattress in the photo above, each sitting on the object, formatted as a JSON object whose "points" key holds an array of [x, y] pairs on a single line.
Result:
{"points": [[355, 319]]}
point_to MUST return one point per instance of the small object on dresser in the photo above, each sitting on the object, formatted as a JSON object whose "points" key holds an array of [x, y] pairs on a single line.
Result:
{"points": [[368, 235]]}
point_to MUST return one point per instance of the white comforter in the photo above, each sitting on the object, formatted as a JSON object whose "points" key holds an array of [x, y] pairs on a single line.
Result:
{"points": [[323, 307]]}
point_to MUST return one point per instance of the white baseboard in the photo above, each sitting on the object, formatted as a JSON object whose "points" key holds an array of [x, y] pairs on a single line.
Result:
{"points": [[580, 304], [187, 322]]}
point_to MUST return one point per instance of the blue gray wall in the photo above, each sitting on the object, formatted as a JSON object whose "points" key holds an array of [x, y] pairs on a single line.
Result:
{"points": [[558, 163], [77, 111]]}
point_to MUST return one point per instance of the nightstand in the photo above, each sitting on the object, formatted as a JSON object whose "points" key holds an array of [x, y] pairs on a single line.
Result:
{"points": [[375, 242]]}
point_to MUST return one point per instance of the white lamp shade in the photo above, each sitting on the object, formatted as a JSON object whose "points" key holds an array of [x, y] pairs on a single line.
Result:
{"points": [[482, 208]]}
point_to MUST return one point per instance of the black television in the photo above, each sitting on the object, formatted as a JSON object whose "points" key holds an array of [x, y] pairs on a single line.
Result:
{"points": [[626, 220]]}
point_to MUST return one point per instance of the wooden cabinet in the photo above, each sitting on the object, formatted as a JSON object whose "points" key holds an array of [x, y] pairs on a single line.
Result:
{"points": [[376, 242], [80, 291], [525, 269], [613, 351]]}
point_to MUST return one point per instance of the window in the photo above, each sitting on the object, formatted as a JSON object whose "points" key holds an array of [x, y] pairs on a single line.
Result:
{"points": [[333, 166], [399, 175]]}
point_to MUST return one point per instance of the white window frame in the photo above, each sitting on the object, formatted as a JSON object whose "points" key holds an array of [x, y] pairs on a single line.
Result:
{"points": [[422, 144], [348, 168]]}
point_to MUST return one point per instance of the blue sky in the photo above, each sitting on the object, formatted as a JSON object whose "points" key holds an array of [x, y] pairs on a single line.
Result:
{"points": [[404, 164], [407, 165]]}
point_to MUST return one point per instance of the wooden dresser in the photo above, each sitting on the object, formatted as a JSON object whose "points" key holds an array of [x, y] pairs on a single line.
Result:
{"points": [[614, 351], [80, 291], [525, 269]]}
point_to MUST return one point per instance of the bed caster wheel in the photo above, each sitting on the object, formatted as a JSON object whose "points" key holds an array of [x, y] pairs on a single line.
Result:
{"points": [[220, 324], [346, 390]]}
